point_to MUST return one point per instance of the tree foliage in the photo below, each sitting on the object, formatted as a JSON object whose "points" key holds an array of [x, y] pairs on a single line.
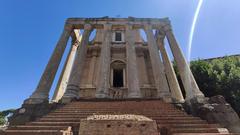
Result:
{"points": [[2, 120], [3, 114], [220, 76]]}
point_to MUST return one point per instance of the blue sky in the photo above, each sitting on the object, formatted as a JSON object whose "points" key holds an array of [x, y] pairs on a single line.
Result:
{"points": [[29, 30]]}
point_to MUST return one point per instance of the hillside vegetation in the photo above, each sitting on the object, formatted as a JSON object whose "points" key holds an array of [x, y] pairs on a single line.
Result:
{"points": [[219, 76]]}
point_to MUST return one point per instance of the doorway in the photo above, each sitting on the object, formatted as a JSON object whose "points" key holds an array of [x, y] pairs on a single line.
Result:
{"points": [[118, 78]]}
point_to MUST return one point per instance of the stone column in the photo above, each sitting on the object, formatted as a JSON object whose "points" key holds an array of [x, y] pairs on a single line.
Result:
{"points": [[132, 70], [186, 75], [157, 66], [63, 80], [41, 93], [73, 86], [171, 76], [104, 67]]}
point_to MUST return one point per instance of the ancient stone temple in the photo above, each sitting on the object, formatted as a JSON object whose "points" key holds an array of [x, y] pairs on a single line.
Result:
{"points": [[117, 63], [118, 82]]}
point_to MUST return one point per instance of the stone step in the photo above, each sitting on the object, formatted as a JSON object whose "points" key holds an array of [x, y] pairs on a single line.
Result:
{"points": [[205, 134], [37, 127], [148, 115], [52, 123], [34, 132], [78, 118], [96, 108], [190, 125], [180, 122], [194, 130], [154, 103], [72, 124], [173, 118], [119, 106], [112, 106], [119, 111], [157, 120], [79, 113]]}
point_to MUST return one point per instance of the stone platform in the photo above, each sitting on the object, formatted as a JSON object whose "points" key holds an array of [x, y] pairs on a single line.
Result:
{"points": [[126, 124], [66, 120]]}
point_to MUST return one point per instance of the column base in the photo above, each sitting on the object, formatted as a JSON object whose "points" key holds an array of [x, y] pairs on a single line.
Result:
{"points": [[174, 100], [71, 93], [66, 100], [166, 96], [35, 100]]}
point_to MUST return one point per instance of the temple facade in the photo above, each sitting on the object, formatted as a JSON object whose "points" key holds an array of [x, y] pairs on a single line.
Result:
{"points": [[118, 63]]}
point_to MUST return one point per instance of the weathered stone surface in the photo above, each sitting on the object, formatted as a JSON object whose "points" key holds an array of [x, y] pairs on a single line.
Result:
{"points": [[104, 63], [118, 125], [2, 129], [30, 112], [215, 110], [133, 79]]}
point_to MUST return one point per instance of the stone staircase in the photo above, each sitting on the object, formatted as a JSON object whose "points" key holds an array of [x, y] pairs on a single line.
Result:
{"points": [[66, 120]]}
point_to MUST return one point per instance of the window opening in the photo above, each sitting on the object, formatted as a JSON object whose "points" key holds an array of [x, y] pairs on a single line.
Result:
{"points": [[118, 36]]}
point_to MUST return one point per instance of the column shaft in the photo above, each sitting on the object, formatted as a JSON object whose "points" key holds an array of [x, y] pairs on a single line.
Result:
{"points": [[104, 67], [64, 77], [171, 76], [157, 66], [73, 86], [186, 75], [132, 70], [42, 91]]}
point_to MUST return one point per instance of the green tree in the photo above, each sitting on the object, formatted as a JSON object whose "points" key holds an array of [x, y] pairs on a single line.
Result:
{"points": [[219, 76], [3, 114]]}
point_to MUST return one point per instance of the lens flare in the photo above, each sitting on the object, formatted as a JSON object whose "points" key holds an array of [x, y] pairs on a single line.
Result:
{"points": [[193, 29]]}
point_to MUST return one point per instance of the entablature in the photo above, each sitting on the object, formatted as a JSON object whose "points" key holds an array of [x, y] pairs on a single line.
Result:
{"points": [[137, 23]]}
